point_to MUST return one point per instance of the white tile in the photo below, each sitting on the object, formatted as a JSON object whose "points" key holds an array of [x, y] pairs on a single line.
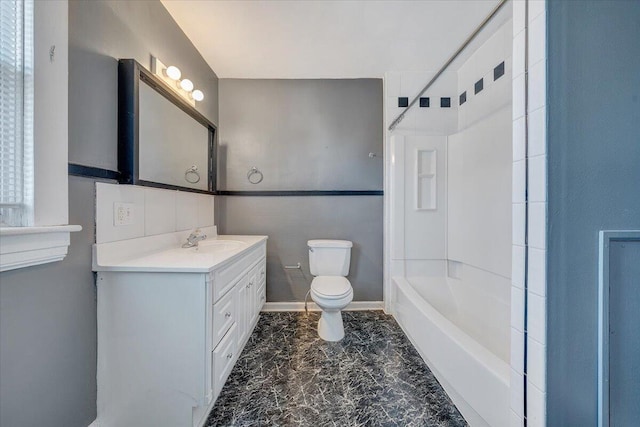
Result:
{"points": [[537, 40], [515, 420], [508, 65], [519, 15], [537, 132], [517, 350], [519, 183], [517, 393], [519, 53], [517, 266], [412, 83], [106, 196], [435, 121], [518, 223], [392, 109], [517, 313], [392, 84], [537, 271], [536, 363], [518, 139], [536, 8], [537, 225], [159, 211], [518, 96], [408, 124], [186, 211], [536, 321], [537, 86], [205, 210], [538, 179], [536, 412]]}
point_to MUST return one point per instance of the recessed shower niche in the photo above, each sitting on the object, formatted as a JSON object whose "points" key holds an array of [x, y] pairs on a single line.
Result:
{"points": [[426, 168]]}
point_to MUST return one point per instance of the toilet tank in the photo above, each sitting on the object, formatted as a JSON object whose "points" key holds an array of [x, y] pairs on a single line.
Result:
{"points": [[329, 257]]}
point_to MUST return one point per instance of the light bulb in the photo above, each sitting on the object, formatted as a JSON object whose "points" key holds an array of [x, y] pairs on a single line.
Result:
{"points": [[173, 72], [187, 85], [197, 95]]}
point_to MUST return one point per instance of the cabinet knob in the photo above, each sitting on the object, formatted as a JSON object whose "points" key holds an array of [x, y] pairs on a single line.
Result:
{"points": [[229, 356], [227, 314]]}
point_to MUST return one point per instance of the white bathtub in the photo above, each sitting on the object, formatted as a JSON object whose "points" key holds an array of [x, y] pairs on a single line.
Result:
{"points": [[467, 350]]}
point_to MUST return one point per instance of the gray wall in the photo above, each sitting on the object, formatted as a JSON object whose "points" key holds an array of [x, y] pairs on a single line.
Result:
{"points": [[100, 33], [593, 182], [48, 331], [48, 313], [304, 135], [291, 221]]}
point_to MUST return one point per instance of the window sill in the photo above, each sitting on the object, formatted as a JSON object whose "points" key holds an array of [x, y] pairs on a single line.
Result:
{"points": [[26, 246]]}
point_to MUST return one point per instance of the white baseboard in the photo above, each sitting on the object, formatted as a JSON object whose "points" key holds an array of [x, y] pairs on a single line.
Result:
{"points": [[299, 306]]}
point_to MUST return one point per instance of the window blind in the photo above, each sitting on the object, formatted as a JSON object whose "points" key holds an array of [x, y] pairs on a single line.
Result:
{"points": [[16, 112]]}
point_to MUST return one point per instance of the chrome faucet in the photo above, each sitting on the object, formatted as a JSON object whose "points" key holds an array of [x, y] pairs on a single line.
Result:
{"points": [[194, 238]]}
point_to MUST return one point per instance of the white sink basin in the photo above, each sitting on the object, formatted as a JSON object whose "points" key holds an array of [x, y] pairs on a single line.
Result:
{"points": [[216, 246]]}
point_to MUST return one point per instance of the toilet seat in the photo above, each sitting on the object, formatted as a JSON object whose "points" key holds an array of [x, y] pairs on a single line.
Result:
{"points": [[331, 287]]}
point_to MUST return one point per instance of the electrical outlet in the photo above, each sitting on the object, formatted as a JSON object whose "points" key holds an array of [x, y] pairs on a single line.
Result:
{"points": [[122, 214]]}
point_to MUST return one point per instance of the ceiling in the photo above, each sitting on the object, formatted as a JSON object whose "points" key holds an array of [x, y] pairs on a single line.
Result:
{"points": [[326, 39]]}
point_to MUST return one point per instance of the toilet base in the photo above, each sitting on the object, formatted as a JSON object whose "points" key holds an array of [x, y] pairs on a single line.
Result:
{"points": [[330, 327]]}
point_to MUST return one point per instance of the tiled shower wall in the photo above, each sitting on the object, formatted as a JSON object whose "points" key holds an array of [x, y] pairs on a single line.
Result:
{"points": [[433, 120], [529, 157]]}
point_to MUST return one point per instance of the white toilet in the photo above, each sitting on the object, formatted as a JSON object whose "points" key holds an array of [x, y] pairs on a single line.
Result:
{"points": [[329, 261]]}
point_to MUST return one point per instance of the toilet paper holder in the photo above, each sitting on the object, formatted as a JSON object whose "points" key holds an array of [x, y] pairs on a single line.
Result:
{"points": [[298, 266]]}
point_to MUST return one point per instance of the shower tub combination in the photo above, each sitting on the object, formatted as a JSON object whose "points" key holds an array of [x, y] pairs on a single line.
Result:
{"points": [[466, 353]]}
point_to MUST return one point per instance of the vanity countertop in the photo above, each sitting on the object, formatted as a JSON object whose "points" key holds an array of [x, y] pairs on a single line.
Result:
{"points": [[167, 255]]}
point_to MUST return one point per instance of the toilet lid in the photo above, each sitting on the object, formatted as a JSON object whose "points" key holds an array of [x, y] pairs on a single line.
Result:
{"points": [[331, 286]]}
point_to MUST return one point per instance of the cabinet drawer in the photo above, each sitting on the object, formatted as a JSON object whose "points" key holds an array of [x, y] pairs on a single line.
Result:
{"points": [[223, 358], [224, 278], [224, 315]]}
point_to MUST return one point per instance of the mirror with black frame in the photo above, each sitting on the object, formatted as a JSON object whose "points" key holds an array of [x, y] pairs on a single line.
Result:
{"points": [[162, 140]]}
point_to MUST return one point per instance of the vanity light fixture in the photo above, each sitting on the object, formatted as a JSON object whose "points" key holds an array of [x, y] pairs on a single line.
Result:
{"points": [[173, 72], [172, 76], [197, 95], [186, 85]]}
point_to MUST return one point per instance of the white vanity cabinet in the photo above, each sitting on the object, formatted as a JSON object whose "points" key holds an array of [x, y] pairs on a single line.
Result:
{"points": [[168, 340]]}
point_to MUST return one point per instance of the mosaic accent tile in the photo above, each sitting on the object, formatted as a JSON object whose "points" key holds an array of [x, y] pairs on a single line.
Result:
{"points": [[498, 71], [478, 86], [288, 376]]}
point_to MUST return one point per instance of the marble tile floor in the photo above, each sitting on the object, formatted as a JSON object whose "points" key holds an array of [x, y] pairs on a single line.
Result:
{"points": [[288, 376]]}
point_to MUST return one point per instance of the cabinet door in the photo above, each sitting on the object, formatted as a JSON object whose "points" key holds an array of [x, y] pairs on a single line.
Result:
{"points": [[262, 272], [261, 289], [224, 315], [252, 300], [224, 356], [242, 310]]}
